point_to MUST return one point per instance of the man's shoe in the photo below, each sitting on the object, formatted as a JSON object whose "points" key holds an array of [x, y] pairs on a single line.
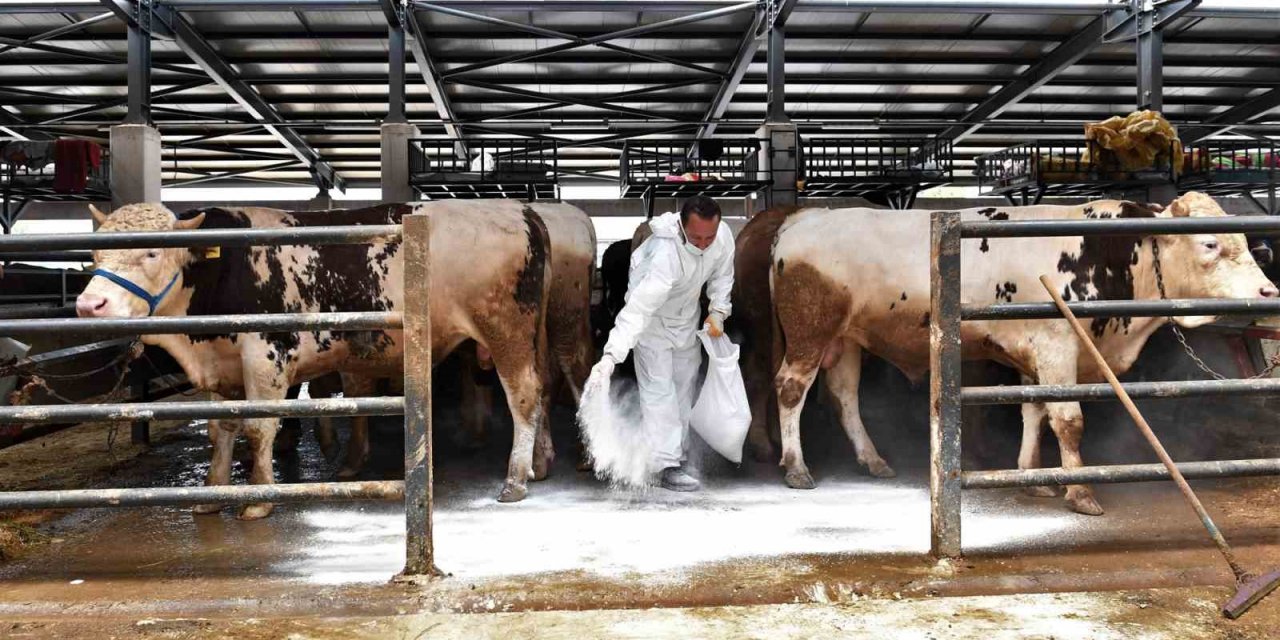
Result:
{"points": [[675, 479]]}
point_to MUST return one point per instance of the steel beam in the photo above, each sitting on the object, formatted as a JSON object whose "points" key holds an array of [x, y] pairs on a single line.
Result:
{"points": [[1063, 56], [208, 59], [631, 32], [776, 79], [238, 172], [395, 62], [595, 104], [58, 32], [145, 105], [1238, 115], [427, 69], [742, 60], [552, 33]]}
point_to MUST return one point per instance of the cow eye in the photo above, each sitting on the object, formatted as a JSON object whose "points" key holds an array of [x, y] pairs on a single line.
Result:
{"points": [[153, 254], [1211, 245]]}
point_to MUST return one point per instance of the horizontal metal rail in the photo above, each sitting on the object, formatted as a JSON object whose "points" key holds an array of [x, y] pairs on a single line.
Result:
{"points": [[211, 409], [340, 234], [196, 325], [1117, 473], [48, 256], [35, 311], [1123, 308], [1116, 226], [224, 494], [1018, 394]]}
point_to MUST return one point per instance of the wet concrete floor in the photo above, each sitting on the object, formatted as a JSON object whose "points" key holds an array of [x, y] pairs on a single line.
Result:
{"points": [[575, 544]]}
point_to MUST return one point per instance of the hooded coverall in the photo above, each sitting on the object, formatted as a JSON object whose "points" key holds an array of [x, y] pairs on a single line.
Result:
{"points": [[660, 321]]}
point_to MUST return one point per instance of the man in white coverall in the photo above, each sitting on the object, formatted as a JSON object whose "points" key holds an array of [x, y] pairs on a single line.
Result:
{"points": [[660, 321]]}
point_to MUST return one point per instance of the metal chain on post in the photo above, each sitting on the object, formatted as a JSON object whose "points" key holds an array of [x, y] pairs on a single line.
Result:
{"points": [[1272, 362]]}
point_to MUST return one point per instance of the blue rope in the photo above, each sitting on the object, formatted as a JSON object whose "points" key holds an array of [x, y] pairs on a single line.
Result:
{"points": [[152, 301]]}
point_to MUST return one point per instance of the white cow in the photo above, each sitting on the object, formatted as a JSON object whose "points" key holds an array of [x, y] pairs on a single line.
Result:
{"points": [[844, 280]]}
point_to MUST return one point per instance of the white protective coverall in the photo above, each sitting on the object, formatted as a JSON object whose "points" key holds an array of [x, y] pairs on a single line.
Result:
{"points": [[660, 321]]}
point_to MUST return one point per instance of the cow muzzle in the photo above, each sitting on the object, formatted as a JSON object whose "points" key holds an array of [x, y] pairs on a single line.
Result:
{"points": [[91, 305]]}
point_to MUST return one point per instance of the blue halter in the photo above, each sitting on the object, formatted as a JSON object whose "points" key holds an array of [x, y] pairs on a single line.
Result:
{"points": [[152, 301]]}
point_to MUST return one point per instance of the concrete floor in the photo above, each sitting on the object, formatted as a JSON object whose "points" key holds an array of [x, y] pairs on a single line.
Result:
{"points": [[574, 544]]}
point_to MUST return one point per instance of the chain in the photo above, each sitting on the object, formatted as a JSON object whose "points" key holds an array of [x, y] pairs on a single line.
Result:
{"points": [[1272, 363]]}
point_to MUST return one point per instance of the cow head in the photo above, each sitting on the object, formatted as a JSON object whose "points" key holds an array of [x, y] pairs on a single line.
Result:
{"points": [[1208, 265], [135, 282]]}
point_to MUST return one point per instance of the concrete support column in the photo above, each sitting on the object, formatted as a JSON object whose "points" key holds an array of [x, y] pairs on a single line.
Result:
{"points": [[395, 162], [780, 161], [135, 164]]}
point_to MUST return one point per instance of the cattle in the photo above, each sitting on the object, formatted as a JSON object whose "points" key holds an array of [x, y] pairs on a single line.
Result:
{"points": [[572, 238], [489, 283], [854, 280]]}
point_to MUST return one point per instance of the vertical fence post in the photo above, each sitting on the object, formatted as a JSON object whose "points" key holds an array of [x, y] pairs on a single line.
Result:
{"points": [[419, 552], [944, 383]]}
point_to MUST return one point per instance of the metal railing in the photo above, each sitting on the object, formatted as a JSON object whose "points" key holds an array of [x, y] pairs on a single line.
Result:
{"points": [[1065, 168], [415, 489], [947, 395], [484, 168], [688, 164], [856, 160]]}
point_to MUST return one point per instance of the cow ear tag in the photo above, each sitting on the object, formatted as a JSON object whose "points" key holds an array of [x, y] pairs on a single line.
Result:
{"points": [[213, 252]]}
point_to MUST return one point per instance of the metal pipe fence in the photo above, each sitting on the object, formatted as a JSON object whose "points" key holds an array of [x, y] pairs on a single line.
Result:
{"points": [[947, 395], [415, 405]]}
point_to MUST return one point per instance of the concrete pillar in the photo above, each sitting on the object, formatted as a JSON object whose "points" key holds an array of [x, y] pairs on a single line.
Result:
{"points": [[135, 164], [780, 162], [322, 201], [395, 162]]}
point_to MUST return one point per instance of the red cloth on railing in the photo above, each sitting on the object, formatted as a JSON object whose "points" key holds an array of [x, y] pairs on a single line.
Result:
{"points": [[71, 161]]}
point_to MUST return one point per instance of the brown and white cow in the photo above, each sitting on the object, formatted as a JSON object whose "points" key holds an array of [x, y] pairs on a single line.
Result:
{"points": [[573, 261], [845, 280], [489, 282]]}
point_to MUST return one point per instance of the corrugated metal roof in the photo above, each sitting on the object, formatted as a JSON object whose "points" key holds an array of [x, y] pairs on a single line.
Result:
{"points": [[912, 72]]}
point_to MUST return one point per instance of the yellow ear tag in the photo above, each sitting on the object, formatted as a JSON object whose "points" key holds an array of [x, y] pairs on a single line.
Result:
{"points": [[213, 252]]}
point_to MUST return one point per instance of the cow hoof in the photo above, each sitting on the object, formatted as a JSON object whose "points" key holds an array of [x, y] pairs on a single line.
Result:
{"points": [[881, 469], [206, 509], [1041, 492], [255, 511], [1084, 504], [799, 480], [513, 493]]}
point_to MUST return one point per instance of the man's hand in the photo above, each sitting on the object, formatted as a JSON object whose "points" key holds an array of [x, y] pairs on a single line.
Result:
{"points": [[600, 374], [714, 325]]}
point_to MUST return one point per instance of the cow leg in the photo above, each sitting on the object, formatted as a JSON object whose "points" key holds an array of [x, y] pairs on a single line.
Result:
{"points": [[1033, 416], [354, 386], [842, 383], [755, 378], [327, 438], [1067, 422], [222, 436], [477, 404], [792, 383], [262, 383], [523, 387]]}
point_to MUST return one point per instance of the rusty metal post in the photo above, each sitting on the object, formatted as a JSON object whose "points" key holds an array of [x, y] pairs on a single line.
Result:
{"points": [[944, 384], [419, 553]]}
